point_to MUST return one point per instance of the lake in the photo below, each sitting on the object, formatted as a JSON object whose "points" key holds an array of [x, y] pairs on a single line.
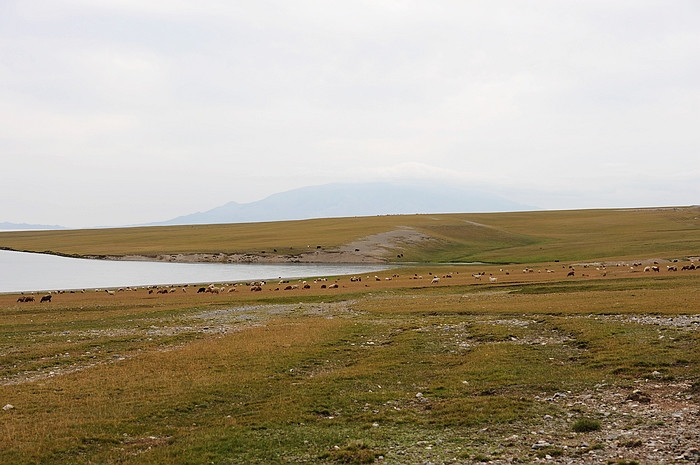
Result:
{"points": [[27, 272]]}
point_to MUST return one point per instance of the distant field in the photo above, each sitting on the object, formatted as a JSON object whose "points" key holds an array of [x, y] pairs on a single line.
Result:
{"points": [[527, 237]]}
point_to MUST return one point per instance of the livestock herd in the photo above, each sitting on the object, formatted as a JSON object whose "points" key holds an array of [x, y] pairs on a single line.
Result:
{"points": [[581, 270]]}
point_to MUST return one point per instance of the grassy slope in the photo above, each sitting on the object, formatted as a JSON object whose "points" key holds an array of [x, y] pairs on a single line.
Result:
{"points": [[527, 237]]}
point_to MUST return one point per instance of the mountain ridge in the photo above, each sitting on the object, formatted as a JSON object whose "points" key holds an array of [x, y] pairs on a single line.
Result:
{"points": [[352, 199]]}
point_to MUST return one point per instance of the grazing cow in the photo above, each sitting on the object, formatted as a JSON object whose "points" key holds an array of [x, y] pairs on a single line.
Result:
{"points": [[46, 298]]}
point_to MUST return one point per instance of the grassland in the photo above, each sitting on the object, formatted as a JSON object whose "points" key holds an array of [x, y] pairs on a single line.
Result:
{"points": [[526, 237], [393, 369]]}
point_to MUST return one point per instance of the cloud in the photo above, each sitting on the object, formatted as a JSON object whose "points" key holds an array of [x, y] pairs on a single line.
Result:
{"points": [[215, 101]]}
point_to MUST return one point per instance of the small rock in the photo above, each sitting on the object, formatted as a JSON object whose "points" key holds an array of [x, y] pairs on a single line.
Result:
{"points": [[541, 444], [8, 407], [639, 396]]}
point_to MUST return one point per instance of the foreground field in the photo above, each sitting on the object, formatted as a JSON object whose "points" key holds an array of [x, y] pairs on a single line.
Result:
{"points": [[526, 367]]}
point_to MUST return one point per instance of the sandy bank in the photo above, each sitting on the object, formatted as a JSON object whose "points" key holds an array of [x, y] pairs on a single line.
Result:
{"points": [[376, 248]]}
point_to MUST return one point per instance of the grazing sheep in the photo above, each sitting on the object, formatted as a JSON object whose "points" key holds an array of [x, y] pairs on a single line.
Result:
{"points": [[435, 280], [570, 273], [333, 286], [492, 279], [46, 298], [655, 268], [647, 268], [201, 289]]}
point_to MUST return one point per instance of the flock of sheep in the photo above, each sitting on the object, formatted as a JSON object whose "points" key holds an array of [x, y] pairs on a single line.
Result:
{"points": [[285, 285]]}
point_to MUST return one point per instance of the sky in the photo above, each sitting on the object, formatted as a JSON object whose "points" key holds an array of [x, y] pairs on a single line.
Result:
{"points": [[130, 111]]}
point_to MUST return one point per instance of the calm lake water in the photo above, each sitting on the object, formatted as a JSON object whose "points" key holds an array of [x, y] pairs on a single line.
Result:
{"points": [[24, 272]]}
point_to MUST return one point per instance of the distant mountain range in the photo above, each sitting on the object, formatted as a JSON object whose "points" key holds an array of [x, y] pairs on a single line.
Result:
{"points": [[24, 226], [353, 199]]}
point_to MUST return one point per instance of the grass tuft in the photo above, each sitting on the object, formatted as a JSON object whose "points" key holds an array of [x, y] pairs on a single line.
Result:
{"points": [[586, 425], [354, 453]]}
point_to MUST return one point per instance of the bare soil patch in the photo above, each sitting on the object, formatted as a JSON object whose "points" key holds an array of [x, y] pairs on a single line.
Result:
{"points": [[375, 248]]}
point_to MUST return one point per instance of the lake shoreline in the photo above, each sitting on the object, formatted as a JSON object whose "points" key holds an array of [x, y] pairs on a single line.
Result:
{"points": [[319, 256], [36, 272]]}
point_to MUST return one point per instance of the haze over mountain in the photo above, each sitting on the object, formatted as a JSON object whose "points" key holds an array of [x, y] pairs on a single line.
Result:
{"points": [[352, 199], [6, 226]]}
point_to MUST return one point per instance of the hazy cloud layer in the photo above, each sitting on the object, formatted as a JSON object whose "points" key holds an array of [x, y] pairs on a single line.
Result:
{"points": [[118, 112]]}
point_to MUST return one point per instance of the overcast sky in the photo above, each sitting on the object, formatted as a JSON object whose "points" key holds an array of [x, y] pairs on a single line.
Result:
{"points": [[128, 111]]}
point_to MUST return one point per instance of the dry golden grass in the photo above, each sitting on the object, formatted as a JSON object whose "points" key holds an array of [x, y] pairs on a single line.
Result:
{"points": [[527, 237]]}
